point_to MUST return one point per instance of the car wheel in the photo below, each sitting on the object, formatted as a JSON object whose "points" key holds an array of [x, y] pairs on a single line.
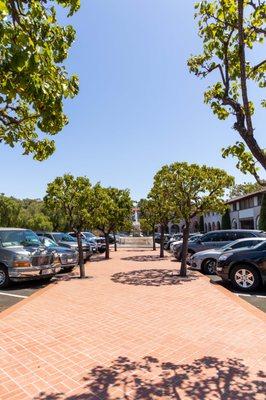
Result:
{"points": [[245, 277], [4, 277], [209, 267]]}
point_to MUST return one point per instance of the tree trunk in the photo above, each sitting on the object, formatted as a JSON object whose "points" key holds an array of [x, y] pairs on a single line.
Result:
{"points": [[153, 240], [115, 242], [81, 259], [107, 244], [162, 242], [183, 269]]}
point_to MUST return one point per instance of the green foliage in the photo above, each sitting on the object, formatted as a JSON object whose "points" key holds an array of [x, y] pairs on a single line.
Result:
{"points": [[147, 215], [111, 208], [262, 220], [243, 188], [26, 213], [33, 79], [230, 30], [9, 211], [71, 197], [187, 190], [226, 221]]}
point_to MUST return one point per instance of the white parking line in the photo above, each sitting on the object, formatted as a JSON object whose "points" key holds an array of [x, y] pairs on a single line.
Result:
{"points": [[251, 295], [13, 295]]}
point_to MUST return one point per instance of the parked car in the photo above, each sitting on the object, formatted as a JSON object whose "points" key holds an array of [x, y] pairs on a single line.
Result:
{"points": [[68, 257], [205, 261], [65, 240], [171, 240], [157, 237], [193, 237], [23, 257], [216, 239], [245, 268], [98, 242]]}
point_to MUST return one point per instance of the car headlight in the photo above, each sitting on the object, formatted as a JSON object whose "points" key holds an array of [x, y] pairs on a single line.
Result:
{"points": [[224, 257], [21, 261]]}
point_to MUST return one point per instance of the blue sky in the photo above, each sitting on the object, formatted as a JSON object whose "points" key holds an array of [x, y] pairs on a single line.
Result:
{"points": [[138, 106]]}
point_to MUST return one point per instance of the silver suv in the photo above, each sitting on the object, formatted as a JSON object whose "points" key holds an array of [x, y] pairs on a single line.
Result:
{"points": [[215, 239], [23, 257]]}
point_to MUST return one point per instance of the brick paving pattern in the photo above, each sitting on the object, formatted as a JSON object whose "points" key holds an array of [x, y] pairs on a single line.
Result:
{"points": [[132, 331]]}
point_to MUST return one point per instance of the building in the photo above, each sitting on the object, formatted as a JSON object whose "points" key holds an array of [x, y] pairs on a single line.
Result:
{"points": [[244, 212]]}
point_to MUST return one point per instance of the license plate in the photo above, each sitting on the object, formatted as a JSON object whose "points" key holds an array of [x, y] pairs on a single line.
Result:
{"points": [[47, 271]]}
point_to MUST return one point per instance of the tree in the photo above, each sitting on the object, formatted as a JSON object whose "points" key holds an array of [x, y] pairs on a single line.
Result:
{"points": [[111, 209], [39, 222], [231, 30], [72, 197], [162, 208], [262, 220], [191, 190], [9, 211], [244, 188], [33, 79], [226, 220], [148, 220]]}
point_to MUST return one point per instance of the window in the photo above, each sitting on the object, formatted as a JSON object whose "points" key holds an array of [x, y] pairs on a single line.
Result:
{"points": [[246, 203], [245, 243], [234, 206], [243, 235]]}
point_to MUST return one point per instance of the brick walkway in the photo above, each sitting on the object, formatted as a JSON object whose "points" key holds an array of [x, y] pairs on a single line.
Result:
{"points": [[128, 333]]}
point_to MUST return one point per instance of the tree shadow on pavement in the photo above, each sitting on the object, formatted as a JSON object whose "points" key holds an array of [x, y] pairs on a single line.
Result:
{"points": [[149, 379], [152, 277], [144, 258]]}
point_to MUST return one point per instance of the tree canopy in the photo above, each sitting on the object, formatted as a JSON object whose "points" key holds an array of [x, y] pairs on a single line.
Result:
{"points": [[243, 188], [188, 190], [231, 31], [111, 209], [33, 79]]}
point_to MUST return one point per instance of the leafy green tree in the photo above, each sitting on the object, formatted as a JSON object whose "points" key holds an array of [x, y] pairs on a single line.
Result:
{"points": [[39, 222], [33, 79], [191, 190], [162, 207], [262, 220], [148, 220], [244, 188], [71, 196], [226, 220], [9, 211], [111, 209], [231, 30]]}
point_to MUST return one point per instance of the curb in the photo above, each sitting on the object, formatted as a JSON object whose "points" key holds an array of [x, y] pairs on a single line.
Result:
{"points": [[21, 303], [244, 304]]}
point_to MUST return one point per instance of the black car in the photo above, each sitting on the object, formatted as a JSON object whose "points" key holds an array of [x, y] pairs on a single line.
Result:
{"points": [[245, 268]]}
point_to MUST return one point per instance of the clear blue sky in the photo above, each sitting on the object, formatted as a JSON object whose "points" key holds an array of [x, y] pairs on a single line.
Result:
{"points": [[138, 106]]}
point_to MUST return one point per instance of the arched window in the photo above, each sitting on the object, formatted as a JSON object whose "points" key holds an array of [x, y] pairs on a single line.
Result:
{"points": [[209, 226], [205, 227], [218, 225], [213, 226]]}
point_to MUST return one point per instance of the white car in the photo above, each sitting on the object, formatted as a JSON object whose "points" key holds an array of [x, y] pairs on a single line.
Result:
{"points": [[205, 261]]}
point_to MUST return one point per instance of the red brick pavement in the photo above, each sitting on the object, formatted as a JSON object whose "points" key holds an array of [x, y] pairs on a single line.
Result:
{"points": [[128, 333]]}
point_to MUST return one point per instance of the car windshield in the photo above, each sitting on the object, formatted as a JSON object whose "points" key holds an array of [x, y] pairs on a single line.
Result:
{"points": [[88, 235], [49, 242], [19, 238], [64, 237], [194, 238]]}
